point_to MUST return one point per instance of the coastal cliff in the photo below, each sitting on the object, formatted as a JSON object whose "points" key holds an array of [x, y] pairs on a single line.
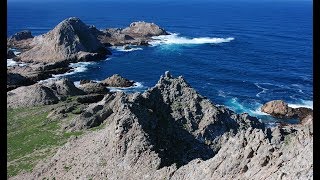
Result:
{"points": [[172, 132]]}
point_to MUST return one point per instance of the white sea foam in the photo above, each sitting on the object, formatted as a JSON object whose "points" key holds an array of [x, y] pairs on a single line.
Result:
{"points": [[11, 62], [174, 38], [136, 87], [77, 68], [304, 103], [264, 90], [122, 49]]}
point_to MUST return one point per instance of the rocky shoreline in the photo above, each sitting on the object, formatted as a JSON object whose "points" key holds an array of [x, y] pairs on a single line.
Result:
{"points": [[169, 131], [70, 41]]}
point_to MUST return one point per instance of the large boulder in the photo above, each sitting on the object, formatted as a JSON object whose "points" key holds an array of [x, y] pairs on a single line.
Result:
{"points": [[33, 95], [142, 28], [280, 109], [93, 88], [70, 40], [117, 81]]}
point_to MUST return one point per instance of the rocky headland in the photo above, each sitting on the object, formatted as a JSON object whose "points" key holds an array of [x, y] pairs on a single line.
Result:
{"points": [[167, 132], [70, 41]]}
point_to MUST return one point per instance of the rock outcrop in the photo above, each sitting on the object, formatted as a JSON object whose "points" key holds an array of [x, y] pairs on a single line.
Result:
{"points": [[70, 40], [21, 40], [280, 109], [33, 95], [26, 34], [10, 54], [138, 33], [144, 29], [117, 81], [41, 94], [15, 80], [93, 88], [31, 73]]}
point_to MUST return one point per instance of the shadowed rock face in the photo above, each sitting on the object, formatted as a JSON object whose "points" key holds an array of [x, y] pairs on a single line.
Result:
{"points": [[21, 35], [10, 54], [70, 40]]}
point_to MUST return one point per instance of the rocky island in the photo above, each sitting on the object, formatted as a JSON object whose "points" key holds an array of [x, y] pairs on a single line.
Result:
{"points": [[59, 131], [70, 41]]}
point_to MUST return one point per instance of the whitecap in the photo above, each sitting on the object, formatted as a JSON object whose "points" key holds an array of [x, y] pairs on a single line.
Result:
{"points": [[174, 38], [303, 103], [122, 49], [137, 86], [11, 62], [264, 90]]}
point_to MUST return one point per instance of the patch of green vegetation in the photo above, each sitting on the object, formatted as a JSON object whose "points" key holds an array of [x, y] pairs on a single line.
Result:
{"points": [[287, 140], [32, 137], [67, 168], [78, 110]]}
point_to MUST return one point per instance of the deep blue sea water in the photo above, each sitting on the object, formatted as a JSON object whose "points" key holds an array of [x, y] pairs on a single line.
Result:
{"points": [[265, 52]]}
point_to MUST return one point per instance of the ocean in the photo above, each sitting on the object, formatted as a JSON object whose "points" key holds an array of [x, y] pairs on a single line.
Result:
{"points": [[240, 54]]}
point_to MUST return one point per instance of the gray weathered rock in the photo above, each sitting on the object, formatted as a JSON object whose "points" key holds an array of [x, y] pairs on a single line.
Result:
{"points": [[64, 87], [144, 29], [172, 132], [70, 40], [33, 95], [117, 81], [93, 88]]}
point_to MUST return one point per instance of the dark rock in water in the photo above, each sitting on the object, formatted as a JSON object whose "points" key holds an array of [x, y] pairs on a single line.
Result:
{"points": [[16, 80], [36, 71], [91, 98], [280, 109], [10, 54], [93, 88], [126, 47], [21, 35], [70, 40], [84, 81], [33, 95], [117, 81]]}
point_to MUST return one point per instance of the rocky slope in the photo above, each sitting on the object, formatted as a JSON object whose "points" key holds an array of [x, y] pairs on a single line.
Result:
{"points": [[172, 132], [70, 40]]}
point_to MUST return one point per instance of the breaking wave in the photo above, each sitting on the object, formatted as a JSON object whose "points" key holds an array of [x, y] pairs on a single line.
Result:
{"points": [[176, 39]]}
